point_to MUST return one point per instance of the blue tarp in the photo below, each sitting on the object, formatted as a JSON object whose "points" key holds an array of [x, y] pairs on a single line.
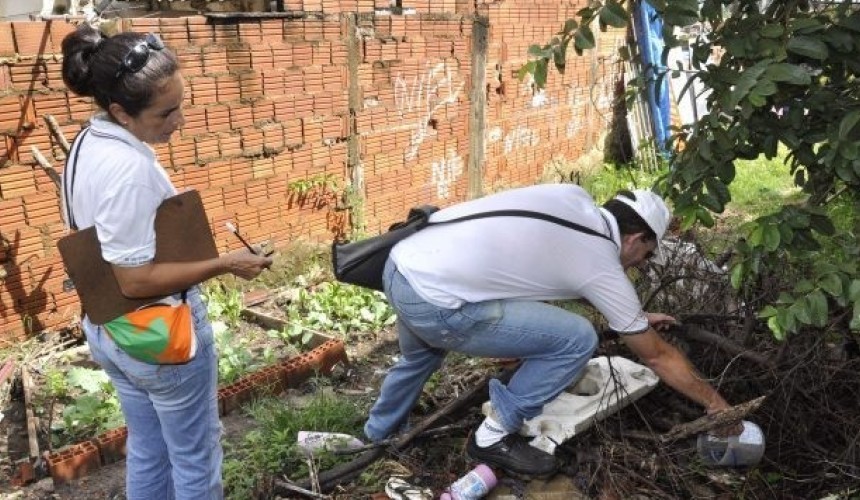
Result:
{"points": [[649, 36]]}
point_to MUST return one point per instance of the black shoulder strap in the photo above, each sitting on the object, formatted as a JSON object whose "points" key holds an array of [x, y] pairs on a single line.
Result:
{"points": [[69, 187], [530, 214]]}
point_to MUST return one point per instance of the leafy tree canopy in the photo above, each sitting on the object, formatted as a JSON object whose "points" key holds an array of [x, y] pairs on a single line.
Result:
{"points": [[783, 76]]}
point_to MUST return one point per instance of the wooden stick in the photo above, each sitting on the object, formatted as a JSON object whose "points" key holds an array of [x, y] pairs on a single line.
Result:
{"points": [[27, 382], [46, 166], [709, 422], [58, 133]]}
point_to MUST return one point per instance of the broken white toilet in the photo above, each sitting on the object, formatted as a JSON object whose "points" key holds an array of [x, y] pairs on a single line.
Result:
{"points": [[607, 384]]}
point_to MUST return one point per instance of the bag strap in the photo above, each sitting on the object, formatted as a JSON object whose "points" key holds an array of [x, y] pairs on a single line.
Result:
{"points": [[529, 214], [69, 187]]}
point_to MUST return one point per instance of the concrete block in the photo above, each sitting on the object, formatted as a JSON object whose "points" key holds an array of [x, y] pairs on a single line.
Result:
{"points": [[605, 386]]}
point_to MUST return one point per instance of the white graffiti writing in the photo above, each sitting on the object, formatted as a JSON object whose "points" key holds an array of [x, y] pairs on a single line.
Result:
{"points": [[520, 137], [425, 94], [445, 172]]}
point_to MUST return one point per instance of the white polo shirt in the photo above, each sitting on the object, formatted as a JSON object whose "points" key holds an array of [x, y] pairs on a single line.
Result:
{"points": [[523, 258], [118, 185]]}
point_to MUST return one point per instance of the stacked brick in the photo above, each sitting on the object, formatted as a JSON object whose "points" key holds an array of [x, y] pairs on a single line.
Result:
{"points": [[268, 108]]}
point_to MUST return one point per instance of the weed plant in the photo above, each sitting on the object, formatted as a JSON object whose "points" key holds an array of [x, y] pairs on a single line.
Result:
{"points": [[91, 405], [339, 308], [271, 447]]}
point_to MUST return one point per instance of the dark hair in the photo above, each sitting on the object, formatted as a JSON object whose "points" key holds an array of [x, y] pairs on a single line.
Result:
{"points": [[91, 61], [629, 220]]}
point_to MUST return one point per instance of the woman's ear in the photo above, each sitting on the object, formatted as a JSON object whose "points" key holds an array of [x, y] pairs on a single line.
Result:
{"points": [[118, 113]]}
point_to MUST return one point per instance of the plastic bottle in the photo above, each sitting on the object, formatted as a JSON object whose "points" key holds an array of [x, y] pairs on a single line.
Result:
{"points": [[743, 450], [474, 485]]}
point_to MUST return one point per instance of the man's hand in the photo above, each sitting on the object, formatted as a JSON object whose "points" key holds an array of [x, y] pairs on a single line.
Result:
{"points": [[660, 321]]}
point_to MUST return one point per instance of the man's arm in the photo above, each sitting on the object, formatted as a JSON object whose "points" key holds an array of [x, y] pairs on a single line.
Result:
{"points": [[674, 369]]}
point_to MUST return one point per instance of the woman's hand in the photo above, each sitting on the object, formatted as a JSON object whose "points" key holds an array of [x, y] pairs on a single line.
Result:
{"points": [[660, 321], [246, 265]]}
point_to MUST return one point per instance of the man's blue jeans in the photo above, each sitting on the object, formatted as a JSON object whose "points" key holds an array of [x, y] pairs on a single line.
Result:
{"points": [[553, 344], [173, 448]]}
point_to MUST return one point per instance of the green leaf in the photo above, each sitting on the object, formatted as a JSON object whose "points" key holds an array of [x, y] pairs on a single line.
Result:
{"points": [[540, 73], [808, 46], [536, 51], [817, 304], [737, 276], [526, 69], [776, 328], [613, 14], [583, 39], [788, 73], [801, 312], [87, 379], [569, 26], [855, 319], [854, 290], [786, 320], [771, 238], [767, 312], [772, 31], [831, 283], [848, 123]]}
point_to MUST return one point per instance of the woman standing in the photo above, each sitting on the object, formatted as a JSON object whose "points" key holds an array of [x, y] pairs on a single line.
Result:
{"points": [[116, 184]]}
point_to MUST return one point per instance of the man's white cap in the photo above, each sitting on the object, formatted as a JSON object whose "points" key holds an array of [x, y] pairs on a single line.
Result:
{"points": [[654, 212]]}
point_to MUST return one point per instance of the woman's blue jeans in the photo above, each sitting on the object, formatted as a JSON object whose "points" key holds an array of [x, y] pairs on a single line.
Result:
{"points": [[173, 447], [553, 344]]}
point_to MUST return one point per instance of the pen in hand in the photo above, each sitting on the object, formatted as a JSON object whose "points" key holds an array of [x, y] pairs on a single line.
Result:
{"points": [[232, 229]]}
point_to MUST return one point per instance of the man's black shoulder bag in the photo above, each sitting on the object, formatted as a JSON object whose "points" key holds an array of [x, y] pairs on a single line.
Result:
{"points": [[362, 262]]}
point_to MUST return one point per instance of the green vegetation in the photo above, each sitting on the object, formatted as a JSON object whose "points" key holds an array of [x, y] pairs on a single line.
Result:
{"points": [[272, 447], [91, 404], [339, 308], [785, 81]]}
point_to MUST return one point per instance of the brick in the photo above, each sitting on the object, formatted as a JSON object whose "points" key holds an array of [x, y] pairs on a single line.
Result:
{"points": [[203, 90], [199, 31], [228, 88], [252, 141], [16, 181], [230, 144], [241, 115], [250, 85], [238, 58], [191, 61], [74, 462], [250, 31], [214, 60], [7, 40], [32, 38], [195, 120], [218, 118]]}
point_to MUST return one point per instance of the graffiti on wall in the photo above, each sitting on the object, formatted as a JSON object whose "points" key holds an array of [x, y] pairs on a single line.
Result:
{"points": [[426, 93], [445, 173], [518, 137]]}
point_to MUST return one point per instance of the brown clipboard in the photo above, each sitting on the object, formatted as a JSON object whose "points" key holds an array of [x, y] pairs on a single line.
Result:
{"points": [[182, 234]]}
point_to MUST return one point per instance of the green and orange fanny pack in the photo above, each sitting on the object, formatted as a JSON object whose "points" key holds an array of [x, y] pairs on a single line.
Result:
{"points": [[161, 333]]}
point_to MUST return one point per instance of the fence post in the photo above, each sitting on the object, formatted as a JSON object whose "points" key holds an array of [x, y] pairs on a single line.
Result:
{"points": [[477, 105], [356, 198]]}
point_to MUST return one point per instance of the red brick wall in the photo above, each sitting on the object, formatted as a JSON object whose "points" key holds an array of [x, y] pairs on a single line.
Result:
{"points": [[267, 104]]}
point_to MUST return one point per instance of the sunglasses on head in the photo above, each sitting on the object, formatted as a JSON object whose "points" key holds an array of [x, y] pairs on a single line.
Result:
{"points": [[138, 55]]}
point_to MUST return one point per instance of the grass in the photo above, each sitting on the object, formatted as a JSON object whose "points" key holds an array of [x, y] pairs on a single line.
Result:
{"points": [[760, 187], [271, 447]]}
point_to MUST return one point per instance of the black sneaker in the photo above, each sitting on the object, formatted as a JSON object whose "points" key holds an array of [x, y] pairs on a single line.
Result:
{"points": [[515, 455]]}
